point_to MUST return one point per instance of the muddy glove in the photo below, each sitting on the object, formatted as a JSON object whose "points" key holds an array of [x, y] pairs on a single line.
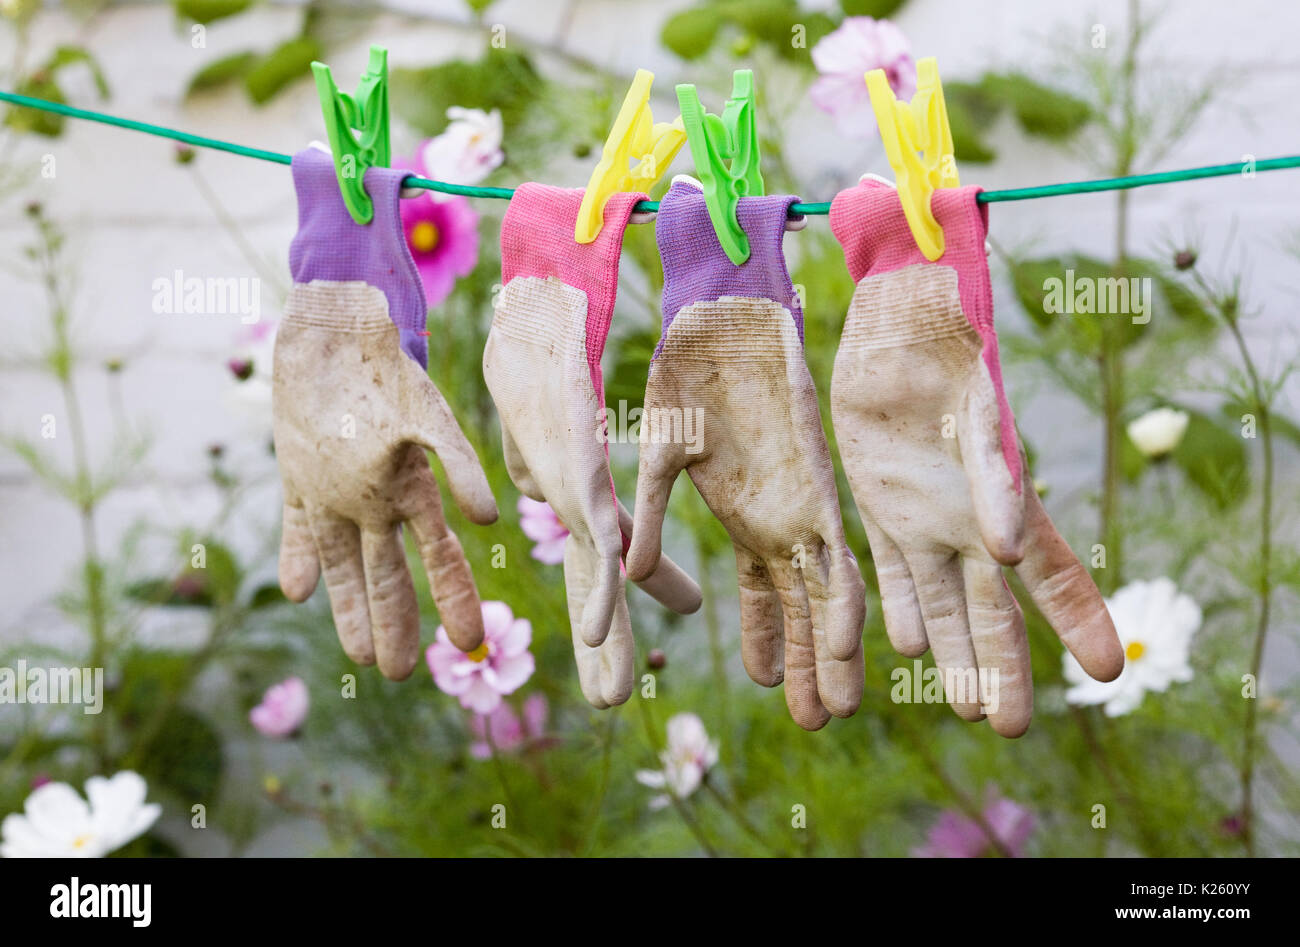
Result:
{"points": [[354, 412], [542, 366], [931, 452], [730, 400]]}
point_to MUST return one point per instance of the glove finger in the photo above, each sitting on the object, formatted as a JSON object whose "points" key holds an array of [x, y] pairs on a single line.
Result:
{"points": [[659, 465], [997, 495], [517, 467], [601, 675], [941, 593], [299, 565], [618, 655], [762, 642], [394, 613], [339, 543], [602, 544], [451, 580], [432, 425], [844, 597], [997, 628], [1066, 595], [903, 621], [840, 682], [801, 695], [668, 584]]}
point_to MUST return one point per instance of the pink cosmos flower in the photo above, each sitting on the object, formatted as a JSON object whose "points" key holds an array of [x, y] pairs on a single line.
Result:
{"points": [[509, 730], [845, 56], [443, 237], [282, 710], [542, 526], [501, 665], [956, 836]]}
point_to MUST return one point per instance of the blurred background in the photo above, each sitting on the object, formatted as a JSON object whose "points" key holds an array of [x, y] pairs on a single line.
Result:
{"points": [[139, 498]]}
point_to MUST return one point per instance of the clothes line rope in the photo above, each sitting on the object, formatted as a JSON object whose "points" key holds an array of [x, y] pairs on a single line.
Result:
{"points": [[797, 210]]}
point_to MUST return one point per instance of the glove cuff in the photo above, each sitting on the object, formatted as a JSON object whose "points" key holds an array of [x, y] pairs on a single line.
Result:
{"points": [[869, 223], [881, 253], [331, 246], [903, 307], [353, 306], [537, 240], [697, 269]]}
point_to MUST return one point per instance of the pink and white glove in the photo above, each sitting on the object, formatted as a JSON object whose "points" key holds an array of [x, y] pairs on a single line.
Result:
{"points": [[542, 366], [931, 452]]}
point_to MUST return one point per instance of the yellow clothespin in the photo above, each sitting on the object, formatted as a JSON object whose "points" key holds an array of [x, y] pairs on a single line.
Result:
{"points": [[918, 143], [635, 137]]}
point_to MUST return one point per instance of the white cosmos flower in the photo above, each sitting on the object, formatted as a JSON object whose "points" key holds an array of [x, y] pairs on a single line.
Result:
{"points": [[467, 151], [1158, 432], [689, 755], [57, 823], [1155, 623]]}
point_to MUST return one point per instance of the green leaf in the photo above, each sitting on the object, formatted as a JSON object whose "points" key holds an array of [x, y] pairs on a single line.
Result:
{"points": [[1049, 288], [147, 846], [478, 6], [872, 8], [1132, 462], [216, 583], [43, 84], [21, 11], [691, 33], [186, 757], [502, 79], [626, 383], [970, 112], [66, 56], [1280, 424], [1214, 459], [289, 62], [222, 72], [208, 11], [266, 595], [1040, 110]]}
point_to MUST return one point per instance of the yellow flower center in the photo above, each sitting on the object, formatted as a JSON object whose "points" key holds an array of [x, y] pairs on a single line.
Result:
{"points": [[81, 841], [478, 654], [424, 236], [1135, 650]]}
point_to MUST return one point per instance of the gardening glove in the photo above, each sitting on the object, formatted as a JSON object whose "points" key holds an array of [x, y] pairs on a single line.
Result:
{"points": [[932, 456], [354, 412], [730, 400], [542, 366]]}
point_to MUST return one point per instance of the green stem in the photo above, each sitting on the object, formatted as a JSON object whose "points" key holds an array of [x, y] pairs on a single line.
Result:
{"points": [[732, 808], [63, 362], [231, 226], [964, 802], [1265, 591], [499, 767], [1110, 357], [1122, 795], [717, 654], [606, 756], [687, 817]]}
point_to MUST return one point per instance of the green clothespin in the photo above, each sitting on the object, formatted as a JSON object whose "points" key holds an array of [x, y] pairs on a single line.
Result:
{"points": [[367, 112], [725, 152]]}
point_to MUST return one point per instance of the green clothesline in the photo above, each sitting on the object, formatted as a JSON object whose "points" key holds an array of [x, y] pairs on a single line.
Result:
{"points": [[504, 193]]}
